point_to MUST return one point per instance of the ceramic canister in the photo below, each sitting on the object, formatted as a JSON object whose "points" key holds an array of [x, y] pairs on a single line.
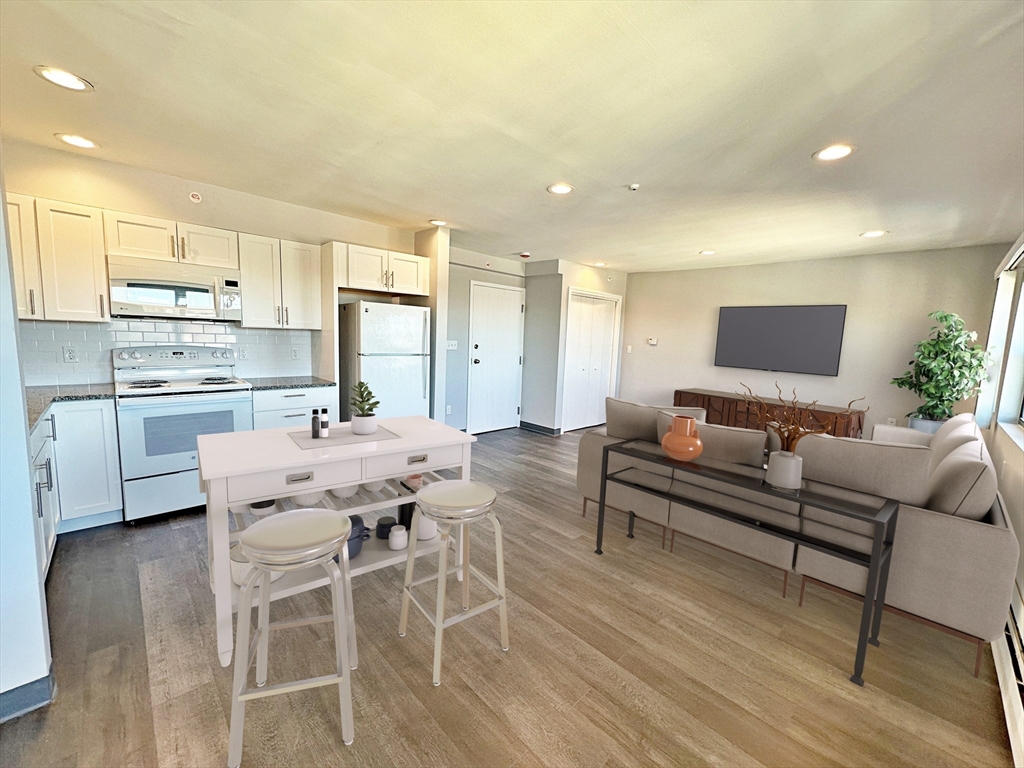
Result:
{"points": [[399, 538]]}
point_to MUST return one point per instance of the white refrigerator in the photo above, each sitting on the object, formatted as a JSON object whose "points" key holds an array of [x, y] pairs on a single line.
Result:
{"points": [[388, 347]]}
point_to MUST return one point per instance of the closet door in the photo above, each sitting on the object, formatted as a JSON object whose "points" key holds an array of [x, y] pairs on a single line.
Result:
{"points": [[577, 363], [602, 346]]}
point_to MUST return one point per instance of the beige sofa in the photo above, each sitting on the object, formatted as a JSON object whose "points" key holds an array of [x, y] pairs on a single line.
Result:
{"points": [[955, 554]]}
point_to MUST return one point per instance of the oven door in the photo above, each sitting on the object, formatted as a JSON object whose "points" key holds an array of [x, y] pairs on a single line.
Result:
{"points": [[157, 434]]}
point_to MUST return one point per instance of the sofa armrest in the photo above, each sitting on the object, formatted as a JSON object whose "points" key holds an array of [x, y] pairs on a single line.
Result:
{"points": [[884, 433], [588, 462]]}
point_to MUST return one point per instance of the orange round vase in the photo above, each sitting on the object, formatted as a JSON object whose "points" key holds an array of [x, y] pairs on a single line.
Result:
{"points": [[682, 441]]}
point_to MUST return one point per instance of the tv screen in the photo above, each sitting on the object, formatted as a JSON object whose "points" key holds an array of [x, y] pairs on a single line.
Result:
{"points": [[798, 339]]}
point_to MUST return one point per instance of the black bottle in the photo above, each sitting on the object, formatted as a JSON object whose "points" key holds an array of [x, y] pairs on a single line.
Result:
{"points": [[316, 423]]}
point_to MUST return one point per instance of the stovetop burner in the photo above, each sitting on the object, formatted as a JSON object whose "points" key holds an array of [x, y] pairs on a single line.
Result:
{"points": [[148, 384], [217, 380]]}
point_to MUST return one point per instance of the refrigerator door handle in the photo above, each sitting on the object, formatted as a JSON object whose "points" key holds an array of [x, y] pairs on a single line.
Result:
{"points": [[426, 368], [426, 335]]}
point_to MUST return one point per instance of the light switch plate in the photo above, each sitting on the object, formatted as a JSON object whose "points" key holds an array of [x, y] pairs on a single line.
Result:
{"points": [[629, 349], [652, 342], [447, 410], [453, 344], [71, 355]]}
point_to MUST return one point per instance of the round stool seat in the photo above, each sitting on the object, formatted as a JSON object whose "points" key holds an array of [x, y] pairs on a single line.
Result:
{"points": [[455, 500], [295, 538]]}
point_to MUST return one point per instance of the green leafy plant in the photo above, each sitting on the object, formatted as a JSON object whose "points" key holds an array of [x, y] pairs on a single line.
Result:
{"points": [[362, 401], [947, 367]]}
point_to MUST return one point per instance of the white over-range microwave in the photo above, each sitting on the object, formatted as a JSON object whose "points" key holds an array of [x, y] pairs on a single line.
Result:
{"points": [[148, 288]]}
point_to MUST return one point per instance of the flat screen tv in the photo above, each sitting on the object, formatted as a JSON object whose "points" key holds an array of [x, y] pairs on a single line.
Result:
{"points": [[796, 339]]}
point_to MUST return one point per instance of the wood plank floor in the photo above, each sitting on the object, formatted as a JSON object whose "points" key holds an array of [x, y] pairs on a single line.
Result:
{"points": [[636, 657]]}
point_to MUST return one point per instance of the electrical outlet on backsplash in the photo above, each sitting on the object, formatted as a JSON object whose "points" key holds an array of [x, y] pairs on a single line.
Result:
{"points": [[268, 352]]}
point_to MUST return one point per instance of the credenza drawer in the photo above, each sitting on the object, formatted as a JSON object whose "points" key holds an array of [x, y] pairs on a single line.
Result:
{"points": [[396, 464], [281, 399], [289, 482]]}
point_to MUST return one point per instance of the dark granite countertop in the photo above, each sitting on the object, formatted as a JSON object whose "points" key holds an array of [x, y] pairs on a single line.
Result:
{"points": [[260, 383], [38, 399]]}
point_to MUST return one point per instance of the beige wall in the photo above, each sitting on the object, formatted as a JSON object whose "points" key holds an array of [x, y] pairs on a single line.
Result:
{"points": [[888, 298], [74, 178]]}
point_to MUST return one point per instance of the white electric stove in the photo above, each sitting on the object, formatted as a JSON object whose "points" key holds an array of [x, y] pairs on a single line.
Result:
{"points": [[166, 397]]}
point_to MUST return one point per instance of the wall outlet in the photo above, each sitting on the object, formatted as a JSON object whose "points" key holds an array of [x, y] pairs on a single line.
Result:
{"points": [[295, 353], [71, 355], [891, 421], [453, 344], [448, 409], [243, 353], [629, 349], [652, 342]]}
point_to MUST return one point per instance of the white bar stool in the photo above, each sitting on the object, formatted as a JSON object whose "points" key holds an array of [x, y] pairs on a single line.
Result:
{"points": [[454, 502], [292, 541]]}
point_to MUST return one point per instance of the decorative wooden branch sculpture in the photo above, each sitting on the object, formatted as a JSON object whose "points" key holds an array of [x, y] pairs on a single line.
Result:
{"points": [[789, 420]]}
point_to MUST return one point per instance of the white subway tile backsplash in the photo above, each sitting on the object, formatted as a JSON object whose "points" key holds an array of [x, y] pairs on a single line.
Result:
{"points": [[42, 342]]}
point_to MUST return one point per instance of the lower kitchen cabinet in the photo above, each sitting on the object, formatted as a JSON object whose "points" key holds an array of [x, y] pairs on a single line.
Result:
{"points": [[45, 502], [85, 451], [275, 408]]}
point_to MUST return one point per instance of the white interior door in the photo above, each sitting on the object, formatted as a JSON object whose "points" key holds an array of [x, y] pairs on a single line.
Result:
{"points": [[495, 356], [589, 360], [602, 342], [260, 263]]}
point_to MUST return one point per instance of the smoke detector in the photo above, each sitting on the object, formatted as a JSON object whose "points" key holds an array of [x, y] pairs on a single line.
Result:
{"points": [[524, 255]]}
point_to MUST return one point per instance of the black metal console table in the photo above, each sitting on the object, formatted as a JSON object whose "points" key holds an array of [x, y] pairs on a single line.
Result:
{"points": [[882, 520]]}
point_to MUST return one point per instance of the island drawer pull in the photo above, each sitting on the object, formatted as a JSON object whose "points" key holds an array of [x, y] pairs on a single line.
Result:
{"points": [[421, 459], [292, 415], [300, 394], [302, 477]]}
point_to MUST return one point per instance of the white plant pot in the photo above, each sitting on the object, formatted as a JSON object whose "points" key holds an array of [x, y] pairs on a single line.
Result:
{"points": [[785, 470], [925, 425], [364, 425]]}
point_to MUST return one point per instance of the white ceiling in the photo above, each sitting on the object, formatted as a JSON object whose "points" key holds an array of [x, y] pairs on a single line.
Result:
{"points": [[401, 112]]}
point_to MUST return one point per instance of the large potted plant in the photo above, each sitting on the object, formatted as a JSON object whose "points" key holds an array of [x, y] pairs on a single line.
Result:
{"points": [[364, 407], [948, 367]]}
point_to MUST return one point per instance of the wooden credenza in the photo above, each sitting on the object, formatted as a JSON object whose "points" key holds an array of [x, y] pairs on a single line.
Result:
{"points": [[731, 410]]}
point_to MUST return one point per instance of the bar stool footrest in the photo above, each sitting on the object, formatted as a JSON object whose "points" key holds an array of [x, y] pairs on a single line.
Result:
{"points": [[473, 611], [297, 685]]}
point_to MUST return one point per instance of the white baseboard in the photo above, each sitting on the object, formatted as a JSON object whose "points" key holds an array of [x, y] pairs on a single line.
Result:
{"points": [[1012, 707]]}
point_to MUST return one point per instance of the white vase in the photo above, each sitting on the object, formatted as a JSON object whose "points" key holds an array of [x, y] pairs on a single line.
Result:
{"points": [[364, 425], [785, 470]]}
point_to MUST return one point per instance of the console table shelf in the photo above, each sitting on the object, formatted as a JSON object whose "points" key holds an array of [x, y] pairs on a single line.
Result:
{"points": [[730, 410]]}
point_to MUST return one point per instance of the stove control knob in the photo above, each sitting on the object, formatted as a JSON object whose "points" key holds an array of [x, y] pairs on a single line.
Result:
{"points": [[122, 355], [136, 355], [226, 354]]}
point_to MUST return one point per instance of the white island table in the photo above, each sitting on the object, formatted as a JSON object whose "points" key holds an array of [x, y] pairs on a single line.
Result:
{"points": [[238, 468]]}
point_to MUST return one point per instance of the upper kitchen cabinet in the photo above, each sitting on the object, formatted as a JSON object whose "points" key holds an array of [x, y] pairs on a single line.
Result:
{"points": [[367, 268], [21, 220], [207, 246], [280, 283], [408, 273], [260, 264], [72, 265], [128, 234], [373, 269], [300, 284]]}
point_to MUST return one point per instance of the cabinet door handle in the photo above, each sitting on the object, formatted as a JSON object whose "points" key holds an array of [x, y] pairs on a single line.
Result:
{"points": [[53, 427], [103, 305], [49, 475], [32, 301], [184, 251], [392, 279], [304, 477], [277, 314], [39, 500], [384, 279], [174, 247], [286, 315]]}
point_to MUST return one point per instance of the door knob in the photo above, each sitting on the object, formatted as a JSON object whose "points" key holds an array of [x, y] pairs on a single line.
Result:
{"points": [[476, 346], [476, 361]]}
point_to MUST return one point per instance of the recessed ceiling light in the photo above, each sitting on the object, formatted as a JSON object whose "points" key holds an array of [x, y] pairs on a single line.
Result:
{"points": [[834, 152], [873, 233], [62, 78], [708, 253], [524, 255], [600, 264], [76, 141], [439, 223], [560, 188]]}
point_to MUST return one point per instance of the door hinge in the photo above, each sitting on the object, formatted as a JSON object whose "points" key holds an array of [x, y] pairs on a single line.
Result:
{"points": [[517, 411], [520, 359], [522, 309]]}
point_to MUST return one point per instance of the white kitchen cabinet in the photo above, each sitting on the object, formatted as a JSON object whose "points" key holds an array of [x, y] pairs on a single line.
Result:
{"points": [[207, 246], [408, 273], [300, 285], [367, 268], [128, 234], [21, 221], [280, 283], [72, 264], [45, 501], [260, 265], [85, 449], [274, 408]]}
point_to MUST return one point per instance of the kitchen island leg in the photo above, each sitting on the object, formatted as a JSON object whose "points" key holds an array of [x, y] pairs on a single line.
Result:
{"points": [[220, 557]]}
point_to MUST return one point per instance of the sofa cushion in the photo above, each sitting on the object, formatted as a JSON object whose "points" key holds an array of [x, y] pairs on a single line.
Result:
{"points": [[733, 444], [665, 418], [964, 483], [632, 421], [890, 470], [953, 423], [944, 444]]}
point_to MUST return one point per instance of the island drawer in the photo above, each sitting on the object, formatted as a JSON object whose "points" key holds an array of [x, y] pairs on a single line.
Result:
{"points": [[280, 399], [289, 482], [396, 464]]}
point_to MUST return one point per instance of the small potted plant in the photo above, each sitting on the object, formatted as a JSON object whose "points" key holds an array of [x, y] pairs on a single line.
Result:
{"points": [[364, 417], [947, 368]]}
